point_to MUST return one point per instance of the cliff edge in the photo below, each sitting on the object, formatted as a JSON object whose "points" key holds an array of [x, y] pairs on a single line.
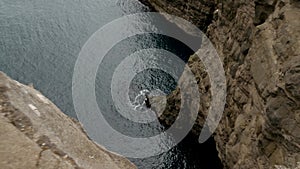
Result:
{"points": [[34, 134]]}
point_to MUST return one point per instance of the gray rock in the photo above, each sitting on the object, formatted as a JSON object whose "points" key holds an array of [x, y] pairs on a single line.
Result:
{"points": [[34, 133]]}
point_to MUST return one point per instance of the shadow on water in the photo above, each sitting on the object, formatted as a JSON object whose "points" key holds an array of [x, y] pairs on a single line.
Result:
{"points": [[204, 155], [188, 154]]}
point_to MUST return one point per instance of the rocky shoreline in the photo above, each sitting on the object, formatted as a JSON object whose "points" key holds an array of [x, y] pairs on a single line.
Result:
{"points": [[259, 44]]}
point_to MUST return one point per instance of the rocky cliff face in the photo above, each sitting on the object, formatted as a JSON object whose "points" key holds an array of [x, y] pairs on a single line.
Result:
{"points": [[260, 128], [259, 43], [34, 134], [198, 12]]}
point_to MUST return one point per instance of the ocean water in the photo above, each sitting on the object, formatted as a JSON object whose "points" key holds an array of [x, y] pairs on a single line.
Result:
{"points": [[40, 41]]}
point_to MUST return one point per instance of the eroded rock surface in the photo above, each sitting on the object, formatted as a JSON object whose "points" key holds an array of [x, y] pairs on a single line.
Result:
{"points": [[198, 12], [34, 133], [259, 44]]}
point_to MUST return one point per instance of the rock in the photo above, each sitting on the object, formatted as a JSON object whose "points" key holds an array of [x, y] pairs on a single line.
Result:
{"points": [[158, 104], [198, 12], [259, 44], [34, 133]]}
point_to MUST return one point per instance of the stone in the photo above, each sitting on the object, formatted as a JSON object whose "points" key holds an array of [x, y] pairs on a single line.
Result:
{"points": [[34, 134], [258, 42]]}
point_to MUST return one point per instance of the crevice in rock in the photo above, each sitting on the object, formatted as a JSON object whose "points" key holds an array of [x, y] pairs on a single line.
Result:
{"points": [[45, 143], [39, 158], [263, 11], [15, 116]]}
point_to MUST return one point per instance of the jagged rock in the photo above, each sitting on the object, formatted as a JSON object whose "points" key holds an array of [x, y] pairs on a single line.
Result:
{"points": [[34, 133], [197, 12], [259, 44]]}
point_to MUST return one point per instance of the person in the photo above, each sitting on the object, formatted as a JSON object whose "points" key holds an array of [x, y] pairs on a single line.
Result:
{"points": [[147, 101]]}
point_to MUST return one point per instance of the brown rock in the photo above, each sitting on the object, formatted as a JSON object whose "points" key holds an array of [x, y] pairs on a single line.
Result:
{"points": [[259, 43]]}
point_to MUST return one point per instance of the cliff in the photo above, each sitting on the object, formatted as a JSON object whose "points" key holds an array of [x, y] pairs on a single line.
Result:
{"points": [[259, 43], [34, 133]]}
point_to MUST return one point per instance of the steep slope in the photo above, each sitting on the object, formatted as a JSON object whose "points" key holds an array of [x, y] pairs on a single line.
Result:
{"points": [[259, 43], [34, 133]]}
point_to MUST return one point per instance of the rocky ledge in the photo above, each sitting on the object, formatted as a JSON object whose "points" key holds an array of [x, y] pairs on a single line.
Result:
{"points": [[259, 44], [34, 134]]}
